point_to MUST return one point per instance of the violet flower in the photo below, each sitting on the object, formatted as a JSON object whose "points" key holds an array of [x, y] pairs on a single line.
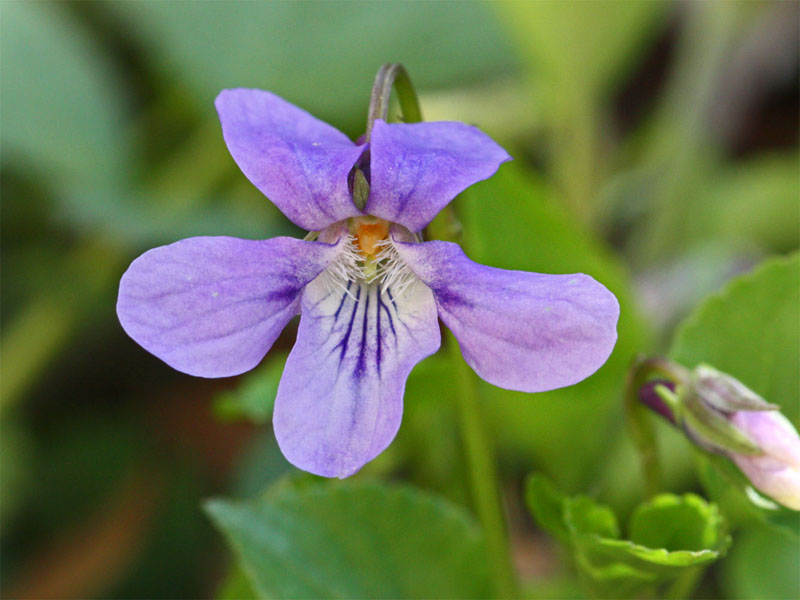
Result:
{"points": [[368, 291]]}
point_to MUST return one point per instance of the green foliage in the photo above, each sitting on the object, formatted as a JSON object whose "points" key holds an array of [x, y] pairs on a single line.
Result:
{"points": [[724, 207], [671, 539], [235, 587], [579, 48], [354, 540], [751, 331], [282, 46], [763, 564], [77, 132]]}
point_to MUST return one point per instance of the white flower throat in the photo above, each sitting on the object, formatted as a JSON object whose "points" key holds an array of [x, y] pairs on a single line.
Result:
{"points": [[369, 256]]}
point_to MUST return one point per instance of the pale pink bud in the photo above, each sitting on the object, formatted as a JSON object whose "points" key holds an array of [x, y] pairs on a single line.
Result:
{"points": [[776, 472]]}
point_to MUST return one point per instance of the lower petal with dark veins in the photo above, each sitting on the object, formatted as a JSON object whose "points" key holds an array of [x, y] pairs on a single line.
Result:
{"points": [[340, 400]]}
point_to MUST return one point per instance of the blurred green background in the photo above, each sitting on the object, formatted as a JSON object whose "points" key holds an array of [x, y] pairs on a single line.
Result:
{"points": [[656, 148]]}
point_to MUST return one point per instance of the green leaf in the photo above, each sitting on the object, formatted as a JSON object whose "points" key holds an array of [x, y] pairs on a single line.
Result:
{"points": [[674, 523], [762, 564], [235, 587], [354, 540], [750, 201], [255, 397], [750, 330], [320, 56], [583, 516], [511, 221], [547, 506], [61, 107], [670, 538]]}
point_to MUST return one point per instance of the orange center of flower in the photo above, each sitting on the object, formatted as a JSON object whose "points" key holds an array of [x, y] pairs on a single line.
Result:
{"points": [[369, 231]]}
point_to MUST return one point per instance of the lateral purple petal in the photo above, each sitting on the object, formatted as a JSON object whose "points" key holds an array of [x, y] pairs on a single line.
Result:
{"points": [[521, 331], [213, 306], [416, 169], [299, 162], [340, 400]]}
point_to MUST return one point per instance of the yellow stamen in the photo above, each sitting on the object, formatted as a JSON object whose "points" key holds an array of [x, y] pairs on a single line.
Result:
{"points": [[369, 231]]}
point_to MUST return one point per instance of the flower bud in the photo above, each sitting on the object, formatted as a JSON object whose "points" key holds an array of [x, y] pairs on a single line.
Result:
{"points": [[776, 472], [720, 414]]}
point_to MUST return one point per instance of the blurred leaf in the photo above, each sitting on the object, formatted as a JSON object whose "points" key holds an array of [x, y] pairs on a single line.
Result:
{"points": [[260, 464], [762, 564], [511, 222], [254, 398], [80, 464], [751, 201], [670, 537], [235, 587], [320, 56], [584, 516], [579, 47], [45, 323], [575, 52], [66, 121], [354, 540], [16, 474], [547, 506], [62, 107], [750, 330]]}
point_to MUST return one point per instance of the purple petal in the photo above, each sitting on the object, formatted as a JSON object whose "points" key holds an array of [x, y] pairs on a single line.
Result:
{"points": [[521, 331], [340, 400], [213, 306], [416, 169], [296, 160]]}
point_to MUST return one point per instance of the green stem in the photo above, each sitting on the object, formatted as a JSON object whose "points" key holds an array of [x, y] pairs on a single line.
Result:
{"points": [[638, 418], [392, 75], [643, 436], [483, 475]]}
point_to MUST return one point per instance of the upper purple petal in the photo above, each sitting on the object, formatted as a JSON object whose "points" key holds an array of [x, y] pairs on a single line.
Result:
{"points": [[296, 160], [213, 306], [522, 331], [416, 169], [340, 400]]}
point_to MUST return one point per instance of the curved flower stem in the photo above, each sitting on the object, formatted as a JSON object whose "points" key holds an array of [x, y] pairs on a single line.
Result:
{"points": [[482, 475], [639, 423], [392, 75]]}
